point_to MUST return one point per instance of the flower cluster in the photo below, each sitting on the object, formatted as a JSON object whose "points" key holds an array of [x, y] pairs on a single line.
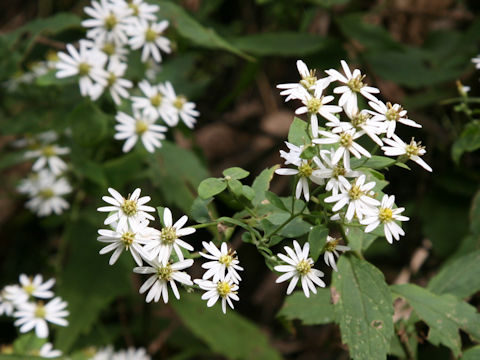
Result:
{"points": [[115, 28], [331, 146], [47, 184], [33, 305]]}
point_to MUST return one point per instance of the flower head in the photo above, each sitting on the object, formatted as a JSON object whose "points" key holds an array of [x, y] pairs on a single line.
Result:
{"points": [[332, 248], [149, 37], [413, 150], [225, 289], [390, 114], [224, 262]]}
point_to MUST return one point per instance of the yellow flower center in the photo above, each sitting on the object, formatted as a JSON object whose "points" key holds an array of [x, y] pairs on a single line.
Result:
{"points": [[308, 81], [355, 84], [109, 49], [156, 100], [305, 170], [135, 9], [129, 207], [52, 56], [392, 113], [303, 267], [128, 238], [40, 311], [331, 245], [150, 35], [414, 148], [83, 69], [165, 272], [313, 105], [360, 119], [179, 102], [224, 288], [226, 259], [141, 127], [346, 140], [111, 79], [29, 289], [48, 151], [46, 193], [110, 22], [168, 235], [355, 192], [385, 215], [338, 170]]}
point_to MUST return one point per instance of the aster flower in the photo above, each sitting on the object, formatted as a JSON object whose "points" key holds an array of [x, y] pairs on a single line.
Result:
{"points": [[137, 9], [47, 351], [293, 155], [32, 286], [131, 354], [358, 197], [225, 289], [168, 239], [181, 108], [223, 262], [331, 250], [476, 61], [346, 145], [413, 150], [299, 267], [388, 216], [36, 315], [48, 155], [6, 305], [390, 114], [126, 237], [153, 104], [139, 126], [148, 36], [116, 84], [131, 209], [309, 82], [162, 275], [353, 85]]}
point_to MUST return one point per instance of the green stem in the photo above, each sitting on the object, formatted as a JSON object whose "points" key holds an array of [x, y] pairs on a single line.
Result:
{"points": [[199, 226]]}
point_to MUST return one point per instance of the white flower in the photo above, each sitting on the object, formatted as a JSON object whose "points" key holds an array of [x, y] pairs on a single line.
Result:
{"points": [[163, 274], [138, 9], [223, 262], [358, 196], [6, 305], [33, 141], [299, 268], [29, 185], [131, 354], [387, 216], [88, 63], [293, 156], [353, 85], [346, 145], [48, 156], [108, 23], [47, 197], [149, 36], [168, 239], [391, 114], [128, 238], [309, 82], [225, 289], [316, 104], [413, 150], [331, 249], [29, 286], [115, 83], [181, 108], [153, 104], [476, 61], [333, 172], [139, 126], [105, 353], [35, 315], [131, 209], [47, 351]]}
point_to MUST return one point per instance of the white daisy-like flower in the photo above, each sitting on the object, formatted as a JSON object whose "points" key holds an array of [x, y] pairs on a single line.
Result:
{"points": [[36, 315], [28, 185], [107, 23], [316, 104], [168, 239], [6, 305], [148, 36], [386, 215], [331, 250], [113, 51], [105, 353], [299, 267], [162, 275], [153, 103], [223, 262], [309, 82], [139, 126], [138, 9], [47, 351], [333, 172], [413, 150], [88, 63], [346, 145], [293, 155], [47, 197], [131, 209], [126, 237], [48, 155], [36, 140], [476, 61], [181, 107], [353, 85], [131, 354], [116, 84], [358, 197], [225, 289], [390, 114], [30, 287]]}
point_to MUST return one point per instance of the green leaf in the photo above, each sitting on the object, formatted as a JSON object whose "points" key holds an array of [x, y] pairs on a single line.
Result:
{"points": [[275, 200], [471, 354], [82, 166], [469, 140], [359, 240], [10, 159], [309, 152], [459, 277], [86, 298], [124, 168], [475, 215], [297, 134], [211, 187], [363, 308], [235, 187], [50, 79], [248, 192], [261, 184], [27, 343], [160, 211], [444, 314], [317, 239], [375, 162], [236, 173], [229, 335], [199, 210], [192, 30], [315, 310], [280, 43], [88, 123]]}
